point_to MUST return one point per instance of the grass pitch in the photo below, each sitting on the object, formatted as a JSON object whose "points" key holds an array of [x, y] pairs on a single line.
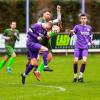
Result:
{"points": [[53, 85]]}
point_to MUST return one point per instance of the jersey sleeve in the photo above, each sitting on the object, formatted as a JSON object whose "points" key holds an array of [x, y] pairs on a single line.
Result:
{"points": [[58, 19], [75, 29], [33, 31], [41, 20]]}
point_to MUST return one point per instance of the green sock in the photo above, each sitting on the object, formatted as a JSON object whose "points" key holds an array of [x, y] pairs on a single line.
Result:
{"points": [[41, 67], [3, 62], [11, 60]]}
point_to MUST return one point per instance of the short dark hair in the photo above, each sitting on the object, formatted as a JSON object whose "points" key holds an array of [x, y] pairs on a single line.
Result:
{"points": [[83, 14], [46, 10]]}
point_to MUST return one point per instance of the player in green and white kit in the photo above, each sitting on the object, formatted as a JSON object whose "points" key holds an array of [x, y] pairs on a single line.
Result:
{"points": [[10, 35], [45, 41]]}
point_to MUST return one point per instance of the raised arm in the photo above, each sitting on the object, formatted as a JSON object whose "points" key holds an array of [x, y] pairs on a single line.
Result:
{"points": [[55, 21]]}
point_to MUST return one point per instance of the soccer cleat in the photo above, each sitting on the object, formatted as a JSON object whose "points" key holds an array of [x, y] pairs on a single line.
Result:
{"points": [[9, 70], [48, 69], [37, 75], [23, 79], [75, 80], [80, 80]]}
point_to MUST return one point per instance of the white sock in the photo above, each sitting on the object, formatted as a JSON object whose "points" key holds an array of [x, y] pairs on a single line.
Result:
{"points": [[24, 74], [75, 75], [45, 66], [81, 75]]}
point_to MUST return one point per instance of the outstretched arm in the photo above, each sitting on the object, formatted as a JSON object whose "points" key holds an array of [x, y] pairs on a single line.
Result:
{"points": [[55, 21]]}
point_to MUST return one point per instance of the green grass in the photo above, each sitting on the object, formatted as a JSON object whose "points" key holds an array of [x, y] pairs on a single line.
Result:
{"points": [[55, 85]]}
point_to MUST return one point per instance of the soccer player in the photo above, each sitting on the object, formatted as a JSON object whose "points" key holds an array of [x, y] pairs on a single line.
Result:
{"points": [[47, 16], [10, 35], [83, 33], [35, 34]]}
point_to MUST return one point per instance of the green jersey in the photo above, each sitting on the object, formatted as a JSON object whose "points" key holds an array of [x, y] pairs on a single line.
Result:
{"points": [[13, 35], [42, 20]]}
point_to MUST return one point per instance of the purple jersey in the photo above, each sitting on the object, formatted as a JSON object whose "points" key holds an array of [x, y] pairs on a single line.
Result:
{"points": [[83, 33], [34, 31]]}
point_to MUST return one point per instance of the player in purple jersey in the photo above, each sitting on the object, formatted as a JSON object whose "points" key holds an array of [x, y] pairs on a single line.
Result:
{"points": [[35, 34], [47, 17], [83, 33]]}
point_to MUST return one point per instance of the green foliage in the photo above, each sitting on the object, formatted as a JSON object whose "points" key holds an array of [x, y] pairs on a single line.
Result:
{"points": [[12, 11], [95, 16], [16, 10]]}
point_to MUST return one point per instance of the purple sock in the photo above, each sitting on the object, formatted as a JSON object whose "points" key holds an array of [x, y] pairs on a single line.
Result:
{"points": [[28, 69], [82, 68], [75, 68], [27, 65], [45, 58], [35, 68]]}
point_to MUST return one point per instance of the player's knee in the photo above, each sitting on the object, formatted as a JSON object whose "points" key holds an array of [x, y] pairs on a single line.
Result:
{"points": [[75, 60], [84, 61], [14, 55], [34, 62], [6, 58]]}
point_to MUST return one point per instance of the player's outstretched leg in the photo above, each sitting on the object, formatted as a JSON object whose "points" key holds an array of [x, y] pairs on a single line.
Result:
{"points": [[28, 69], [75, 72], [10, 62], [82, 69], [3, 62], [81, 72], [35, 64], [75, 68]]}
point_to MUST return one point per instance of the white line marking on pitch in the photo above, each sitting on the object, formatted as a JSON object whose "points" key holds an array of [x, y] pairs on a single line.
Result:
{"points": [[39, 85], [50, 86]]}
